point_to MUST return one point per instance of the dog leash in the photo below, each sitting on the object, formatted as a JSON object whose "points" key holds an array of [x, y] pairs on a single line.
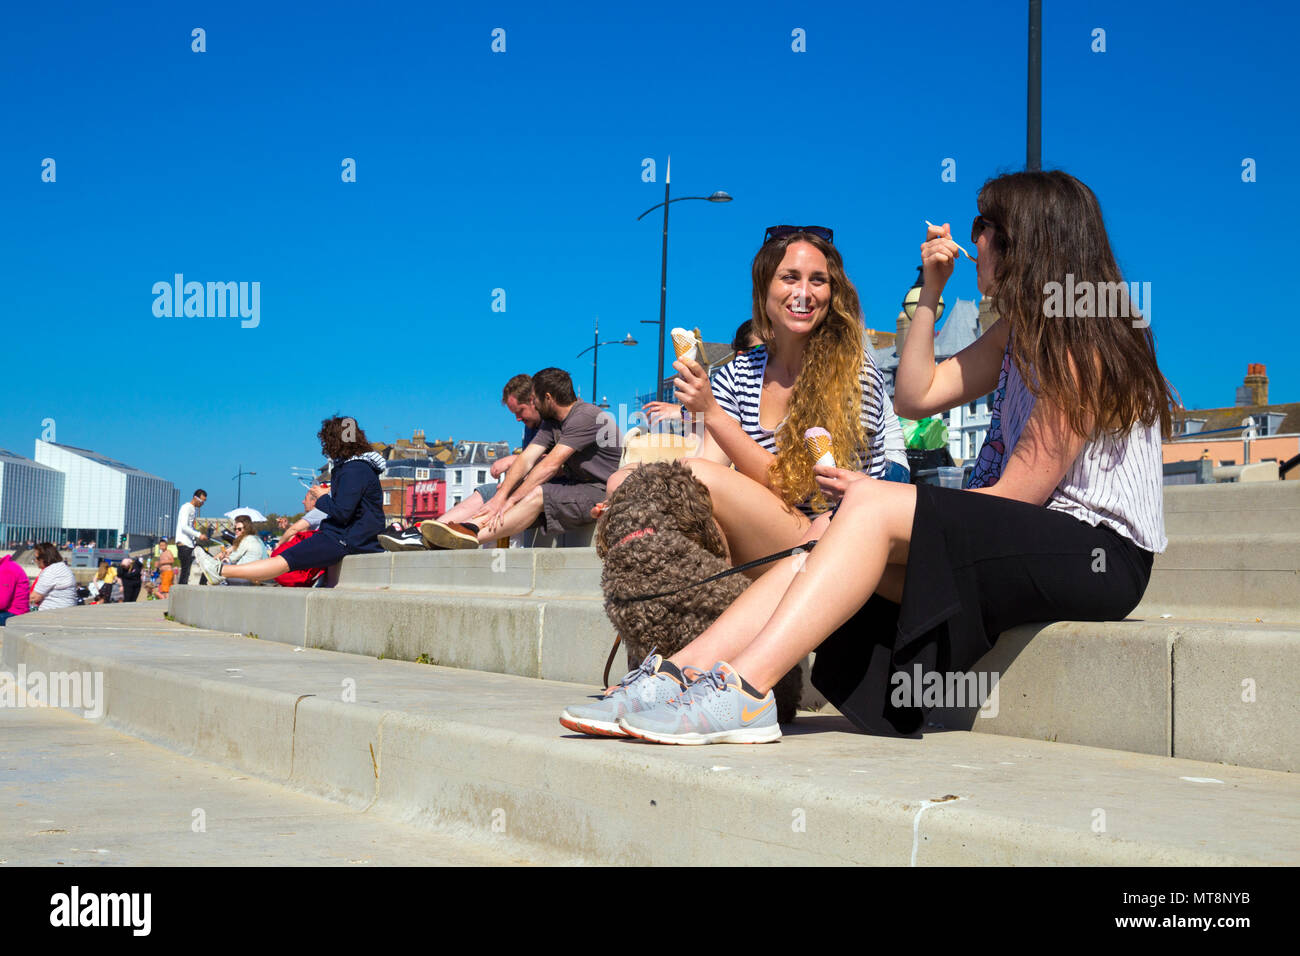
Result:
{"points": [[757, 562]]}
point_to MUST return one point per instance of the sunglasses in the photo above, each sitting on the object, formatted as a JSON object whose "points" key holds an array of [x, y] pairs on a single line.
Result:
{"points": [[978, 226], [780, 232]]}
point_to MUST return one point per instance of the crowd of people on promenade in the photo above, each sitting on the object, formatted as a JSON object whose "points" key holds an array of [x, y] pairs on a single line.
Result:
{"points": [[902, 574]]}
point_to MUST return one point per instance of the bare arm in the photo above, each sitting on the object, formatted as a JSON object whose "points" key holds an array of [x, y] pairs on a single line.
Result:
{"points": [[724, 441], [1044, 453], [921, 389], [542, 472], [522, 465]]}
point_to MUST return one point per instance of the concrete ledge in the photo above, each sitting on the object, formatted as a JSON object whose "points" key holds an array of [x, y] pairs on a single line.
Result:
{"points": [[1107, 684], [1252, 496], [554, 638], [1238, 702], [484, 752], [1175, 688], [512, 571], [1101, 684]]}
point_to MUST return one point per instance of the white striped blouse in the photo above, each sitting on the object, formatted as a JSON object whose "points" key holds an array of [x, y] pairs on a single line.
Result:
{"points": [[1117, 482], [738, 387]]}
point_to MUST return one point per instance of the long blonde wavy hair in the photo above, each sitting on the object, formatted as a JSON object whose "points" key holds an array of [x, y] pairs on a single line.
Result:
{"points": [[827, 393]]}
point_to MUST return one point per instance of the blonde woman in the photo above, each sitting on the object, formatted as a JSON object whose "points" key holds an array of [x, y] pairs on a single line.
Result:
{"points": [[809, 370]]}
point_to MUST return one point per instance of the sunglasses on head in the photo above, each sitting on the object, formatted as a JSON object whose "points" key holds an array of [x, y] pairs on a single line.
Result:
{"points": [[780, 232]]}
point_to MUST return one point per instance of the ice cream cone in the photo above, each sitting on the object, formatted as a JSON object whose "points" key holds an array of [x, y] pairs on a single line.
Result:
{"points": [[684, 344], [818, 441]]}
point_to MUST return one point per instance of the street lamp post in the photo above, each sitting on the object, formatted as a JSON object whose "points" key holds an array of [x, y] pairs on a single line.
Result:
{"points": [[1034, 111], [239, 493], [718, 196], [595, 361]]}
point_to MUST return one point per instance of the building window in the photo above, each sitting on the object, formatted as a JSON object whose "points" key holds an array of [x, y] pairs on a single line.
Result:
{"points": [[482, 476], [387, 500], [456, 479], [456, 500], [422, 474]]}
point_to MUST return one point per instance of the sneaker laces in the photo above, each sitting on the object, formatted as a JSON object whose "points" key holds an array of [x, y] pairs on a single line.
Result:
{"points": [[646, 669], [709, 682]]}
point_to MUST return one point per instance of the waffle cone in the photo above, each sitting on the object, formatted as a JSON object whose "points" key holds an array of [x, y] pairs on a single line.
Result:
{"points": [[683, 342], [820, 447]]}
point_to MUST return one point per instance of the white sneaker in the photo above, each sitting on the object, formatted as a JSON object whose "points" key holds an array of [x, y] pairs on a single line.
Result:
{"points": [[208, 565]]}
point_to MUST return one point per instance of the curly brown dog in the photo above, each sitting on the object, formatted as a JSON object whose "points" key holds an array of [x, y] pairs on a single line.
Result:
{"points": [[658, 535]]}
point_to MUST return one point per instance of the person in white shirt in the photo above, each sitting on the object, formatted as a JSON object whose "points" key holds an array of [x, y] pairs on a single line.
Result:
{"points": [[56, 585], [187, 536]]}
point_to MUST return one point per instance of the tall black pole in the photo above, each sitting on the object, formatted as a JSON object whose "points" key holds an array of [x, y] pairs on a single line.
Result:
{"points": [[239, 493], [663, 284], [1034, 124], [595, 360]]}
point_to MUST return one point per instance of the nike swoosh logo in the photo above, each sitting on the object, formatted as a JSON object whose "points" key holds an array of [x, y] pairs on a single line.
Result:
{"points": [[746, 715]]}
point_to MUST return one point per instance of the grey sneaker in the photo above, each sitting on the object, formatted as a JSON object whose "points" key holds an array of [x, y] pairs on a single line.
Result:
{"points": [[647, 686], [208, 565], [715, 709]]}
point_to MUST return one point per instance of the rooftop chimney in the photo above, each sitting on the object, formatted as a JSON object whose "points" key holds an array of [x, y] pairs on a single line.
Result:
{"points": [[1256, 384], [903, 324], [987, 314]]}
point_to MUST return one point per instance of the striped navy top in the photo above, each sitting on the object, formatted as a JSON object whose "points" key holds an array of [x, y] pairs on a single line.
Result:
{"points": [[1117, 482], [738, 387]]}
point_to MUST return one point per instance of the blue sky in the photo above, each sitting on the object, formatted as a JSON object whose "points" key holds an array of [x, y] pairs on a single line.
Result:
{"points": [[522, 171]]}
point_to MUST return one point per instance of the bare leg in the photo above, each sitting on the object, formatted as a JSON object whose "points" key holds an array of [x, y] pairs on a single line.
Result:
{"points": [[617, 479], [754, 521], [464, 511], [872, 529], [736, 627], [263, 570], [517, 517]]}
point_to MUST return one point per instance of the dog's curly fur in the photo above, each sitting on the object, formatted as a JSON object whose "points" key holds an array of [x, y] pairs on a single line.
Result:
{"points": [[685, 547]]}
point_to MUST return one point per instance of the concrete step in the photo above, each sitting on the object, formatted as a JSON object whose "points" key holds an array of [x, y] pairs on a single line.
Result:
{"points": [[1232, 576], [1240, 576], [1252, 508], [485, 752], [1229, 496], [1160, 686], [74, 793]]}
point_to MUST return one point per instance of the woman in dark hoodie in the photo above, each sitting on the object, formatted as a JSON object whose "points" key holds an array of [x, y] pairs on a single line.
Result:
{"points": [[353, 505]]}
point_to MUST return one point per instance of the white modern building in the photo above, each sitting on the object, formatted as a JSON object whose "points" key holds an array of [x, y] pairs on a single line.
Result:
{"points": [[31, 502], [472, 467], [104, 500]]}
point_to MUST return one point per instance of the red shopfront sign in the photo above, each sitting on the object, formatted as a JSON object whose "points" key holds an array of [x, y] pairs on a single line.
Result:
{"points": [[426, 499]]}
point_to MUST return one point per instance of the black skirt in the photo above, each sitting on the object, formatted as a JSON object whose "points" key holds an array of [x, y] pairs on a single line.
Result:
{"points": [[977, 565]]}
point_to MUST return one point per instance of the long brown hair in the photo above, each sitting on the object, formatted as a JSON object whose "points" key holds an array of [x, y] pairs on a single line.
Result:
{"points": [[248, 529], [1047, 226], [827, 393]]}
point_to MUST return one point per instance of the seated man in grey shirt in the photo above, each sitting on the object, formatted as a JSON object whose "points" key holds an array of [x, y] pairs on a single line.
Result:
{"points": [[311, 520], [556, 481]]}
